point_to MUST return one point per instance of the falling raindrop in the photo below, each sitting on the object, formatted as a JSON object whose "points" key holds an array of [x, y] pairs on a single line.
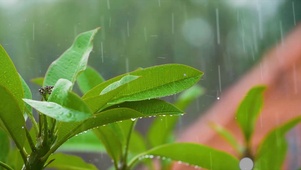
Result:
{"points": [[101, 49], [259, 19], [217, 26], [255, 39], [159, 3], [281, 32], [128, 28], [294, 15], [33, 30], [145, 35], [172, 23], [108, 4], [110, 22], [219, 78], [127, 64]]}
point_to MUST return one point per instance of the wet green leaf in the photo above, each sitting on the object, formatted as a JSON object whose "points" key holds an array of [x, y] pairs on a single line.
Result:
{"points": [[64, 161], [62, 104], [153, 82], [123, 81], [192, 154], [88, 79], [272, 150], [73, 61], [249, 109], [9, 78], [60, 91], [27, 94], [68, 130], [11, 117], [73, 110], [99, 101], [153, 106]]}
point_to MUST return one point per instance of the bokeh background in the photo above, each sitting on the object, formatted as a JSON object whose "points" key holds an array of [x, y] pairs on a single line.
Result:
{"points": [[223, 38]]}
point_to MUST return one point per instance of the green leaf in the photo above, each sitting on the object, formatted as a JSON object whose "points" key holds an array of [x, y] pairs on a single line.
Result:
{"points": [[64, 161], [74, 110], [62, 104], [99, 101], [85, 142], [68, 130], [124, 80], [73, 61], [4, 145], [111, 141], [153, 106], [249, 109], [9, 78], [161, 128], [117, 133], [192, 154], [272, 150], [27, 94], [38, 81], [227, 135], [88, 79], [11, 117], [154, 82], [60, 91]]}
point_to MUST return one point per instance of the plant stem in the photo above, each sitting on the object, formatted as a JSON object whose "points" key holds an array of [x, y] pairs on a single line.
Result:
{"points": [[5, 166], [31, 144], [45, 129], [40, 125], [124, 160], [23, 154]]}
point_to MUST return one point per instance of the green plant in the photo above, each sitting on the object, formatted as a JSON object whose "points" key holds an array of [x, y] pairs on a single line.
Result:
{"points": [[272, 150], [110, 108]]}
